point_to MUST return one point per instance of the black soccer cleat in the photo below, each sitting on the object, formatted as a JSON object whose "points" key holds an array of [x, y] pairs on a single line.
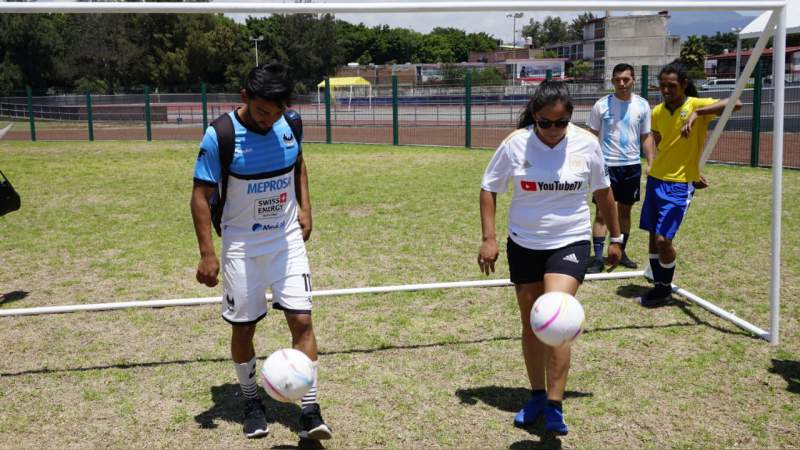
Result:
{"points": [[255, 419], [596, 266], [626, 262], [658, 296], [311, 424]]}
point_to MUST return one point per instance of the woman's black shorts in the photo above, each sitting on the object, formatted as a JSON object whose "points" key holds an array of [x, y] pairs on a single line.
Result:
{"points": [[529, 266]]}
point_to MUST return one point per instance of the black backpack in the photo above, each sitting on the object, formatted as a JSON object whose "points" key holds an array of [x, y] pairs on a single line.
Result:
{"points": [[9, 199], [226, 141]]}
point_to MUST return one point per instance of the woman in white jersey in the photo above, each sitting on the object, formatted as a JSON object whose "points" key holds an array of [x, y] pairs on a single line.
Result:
{"points": [[553, 167]]}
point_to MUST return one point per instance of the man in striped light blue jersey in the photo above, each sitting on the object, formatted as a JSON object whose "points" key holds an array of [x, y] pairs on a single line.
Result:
{"points": [[622, 122], [266, 219]]}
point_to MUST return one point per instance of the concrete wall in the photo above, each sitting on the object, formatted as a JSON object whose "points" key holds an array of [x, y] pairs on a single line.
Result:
{"points": [[638, 40]]}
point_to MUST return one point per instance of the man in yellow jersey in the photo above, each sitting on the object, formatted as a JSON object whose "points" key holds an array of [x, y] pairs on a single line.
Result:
{"points": [[680, 125]]}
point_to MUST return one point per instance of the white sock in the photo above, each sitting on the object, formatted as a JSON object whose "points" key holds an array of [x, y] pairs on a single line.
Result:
{"points": [[246, 373], [311, 397]]}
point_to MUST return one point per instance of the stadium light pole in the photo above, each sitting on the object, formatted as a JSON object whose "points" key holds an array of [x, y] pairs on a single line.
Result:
{"points": [[738, 49], [256, 41], [514, 17]]}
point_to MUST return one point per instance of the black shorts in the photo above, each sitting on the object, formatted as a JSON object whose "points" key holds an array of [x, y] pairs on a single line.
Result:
{"points": [[625, 183], [529, 266]]}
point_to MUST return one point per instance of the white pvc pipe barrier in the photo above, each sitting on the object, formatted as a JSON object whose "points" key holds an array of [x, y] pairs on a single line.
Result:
{"points": [[320, 293], [722, 313], [388, 7]]}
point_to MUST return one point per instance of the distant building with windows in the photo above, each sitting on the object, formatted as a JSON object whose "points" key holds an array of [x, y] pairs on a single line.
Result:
{"points": [[724, 64], [611, 40]]}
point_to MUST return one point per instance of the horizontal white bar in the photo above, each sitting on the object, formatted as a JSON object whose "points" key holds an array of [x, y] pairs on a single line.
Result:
{"points": [[320, 293], [388, 7], [741, 323]]}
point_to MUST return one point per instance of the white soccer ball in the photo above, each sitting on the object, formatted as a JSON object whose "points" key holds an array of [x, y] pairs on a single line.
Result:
{"points": [[287, 375], [557, 318]]}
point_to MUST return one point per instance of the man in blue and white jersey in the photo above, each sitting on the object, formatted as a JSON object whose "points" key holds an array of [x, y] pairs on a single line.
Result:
{"points": [[622, 122], [265, 222]]}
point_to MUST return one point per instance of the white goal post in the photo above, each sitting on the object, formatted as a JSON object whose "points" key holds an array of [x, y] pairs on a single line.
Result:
{"points": [[776, 25]]}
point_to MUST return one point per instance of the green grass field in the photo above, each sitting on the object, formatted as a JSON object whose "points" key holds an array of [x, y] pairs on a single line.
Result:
{"points": [[109, 221]]}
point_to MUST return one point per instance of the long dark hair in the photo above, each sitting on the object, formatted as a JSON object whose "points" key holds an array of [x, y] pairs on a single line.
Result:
{"points": [[548, 93], [679, 68]]}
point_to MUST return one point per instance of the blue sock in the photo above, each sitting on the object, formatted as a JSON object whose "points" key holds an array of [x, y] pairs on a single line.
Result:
{"points": [[597, 243]]}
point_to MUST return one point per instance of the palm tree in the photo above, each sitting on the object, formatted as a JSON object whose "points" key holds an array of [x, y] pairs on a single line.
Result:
{"points": [[693, 53]]}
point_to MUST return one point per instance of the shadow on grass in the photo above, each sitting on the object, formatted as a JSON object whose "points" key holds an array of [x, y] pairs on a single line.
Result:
{"points": [[416, 346], [228, 406], [790, 371], [635, 290], [548, 441], [12, 296], [509, 399], [512, 400], [260, 357], [682, 305]]}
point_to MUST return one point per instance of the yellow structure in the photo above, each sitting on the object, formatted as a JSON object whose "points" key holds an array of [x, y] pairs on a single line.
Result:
{"points": [[347, 84]]}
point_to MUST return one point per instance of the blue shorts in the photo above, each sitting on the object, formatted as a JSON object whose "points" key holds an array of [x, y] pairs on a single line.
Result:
{"points": [[665, 205]]}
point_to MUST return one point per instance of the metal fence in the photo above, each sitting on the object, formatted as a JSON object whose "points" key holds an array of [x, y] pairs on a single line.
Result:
{"points": [[460, 115]]}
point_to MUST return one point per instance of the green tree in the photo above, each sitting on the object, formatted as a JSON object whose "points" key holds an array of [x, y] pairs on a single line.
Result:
{"points": [[436, 49], [103, 46], [90, 84], [718, 43], [535, 31], [31, 45], [304, 42], [579, 69], [456, 40], [555, 30], [12, 79], [692, 54], [481, 42], [353, 43], [576, 27]]}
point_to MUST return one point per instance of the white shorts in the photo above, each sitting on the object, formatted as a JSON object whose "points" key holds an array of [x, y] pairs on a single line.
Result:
{"points": [[245, 283]]}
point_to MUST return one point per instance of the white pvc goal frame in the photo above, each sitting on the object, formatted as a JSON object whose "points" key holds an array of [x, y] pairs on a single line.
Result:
{"points": [[776, 24]]}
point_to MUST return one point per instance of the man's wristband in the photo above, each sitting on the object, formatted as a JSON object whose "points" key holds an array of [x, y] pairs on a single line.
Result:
{"points": [[617, 240]]}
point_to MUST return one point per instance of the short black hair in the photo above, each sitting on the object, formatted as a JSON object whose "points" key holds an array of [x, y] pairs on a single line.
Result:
{"points": [[270, 82], [622, 67], [549, 93]]}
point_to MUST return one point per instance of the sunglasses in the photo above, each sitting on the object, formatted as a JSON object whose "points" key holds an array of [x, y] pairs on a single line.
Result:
{"points": [[560, 123]]}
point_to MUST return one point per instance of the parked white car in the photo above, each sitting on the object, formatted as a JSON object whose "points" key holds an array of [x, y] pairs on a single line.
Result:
{"points": [[718, 84]]}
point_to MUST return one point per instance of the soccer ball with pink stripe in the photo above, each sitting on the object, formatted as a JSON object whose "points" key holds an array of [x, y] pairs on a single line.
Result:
{"points": [[287, 375], [557, 318]]}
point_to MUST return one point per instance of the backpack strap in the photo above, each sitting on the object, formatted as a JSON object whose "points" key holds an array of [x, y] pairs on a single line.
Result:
{"points": [[223, 125], [295, 123]]}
